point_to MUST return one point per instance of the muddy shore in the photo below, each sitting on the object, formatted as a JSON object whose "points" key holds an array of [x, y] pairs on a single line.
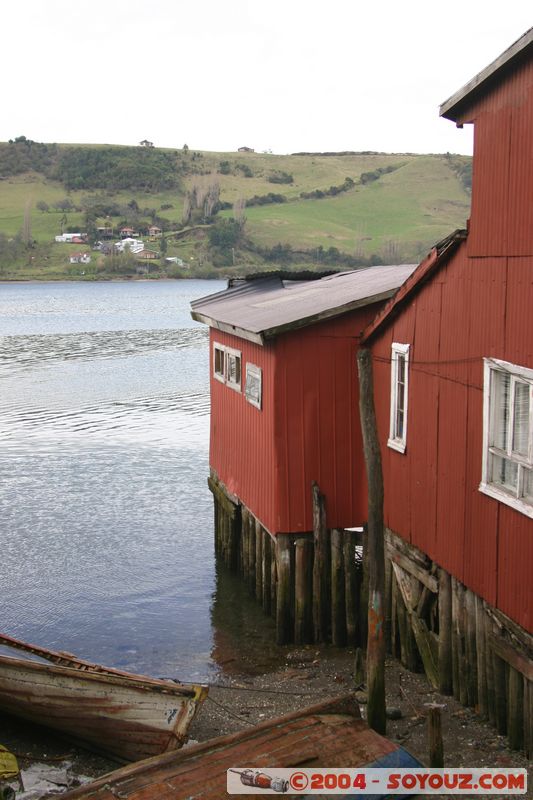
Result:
{"points": [[240, 698]]}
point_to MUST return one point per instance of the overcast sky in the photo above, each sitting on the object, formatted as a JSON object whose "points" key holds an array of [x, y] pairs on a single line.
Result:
{"points": [[284, 75]]}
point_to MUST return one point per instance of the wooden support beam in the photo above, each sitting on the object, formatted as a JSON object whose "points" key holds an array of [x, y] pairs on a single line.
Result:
{"points": [[303, 617], [338, 599], [500, 693], [284, 625], [489, 669], [258, 561], [419, 628], [267, 554], [436, 745], [515, 710], [470, 647], [375, 656], [424, 576], [481, 654], [352, 587], [320, 568], [528, 718], [445, 633], [517, 660]]}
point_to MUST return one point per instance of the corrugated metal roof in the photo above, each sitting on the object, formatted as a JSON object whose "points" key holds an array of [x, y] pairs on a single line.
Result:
{"points": [[519, 49], [261, 309]]}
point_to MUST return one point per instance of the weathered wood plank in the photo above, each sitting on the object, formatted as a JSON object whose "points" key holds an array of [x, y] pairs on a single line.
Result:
{"points": [[303, 617], [284, 624], [419, 627], [515, 710], [338, 598], [320, 568], [445, 633]]}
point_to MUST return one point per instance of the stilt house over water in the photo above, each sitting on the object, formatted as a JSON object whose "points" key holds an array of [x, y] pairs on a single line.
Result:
{"points": [[284, 419], [452, 357]]}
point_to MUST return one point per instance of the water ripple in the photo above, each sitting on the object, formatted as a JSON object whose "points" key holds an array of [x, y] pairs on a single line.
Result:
{"points": [[25, 352]]}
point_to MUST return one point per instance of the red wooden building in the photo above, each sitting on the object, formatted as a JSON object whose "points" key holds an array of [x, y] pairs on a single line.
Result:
{"points": [[453, 374], [284, 400]]}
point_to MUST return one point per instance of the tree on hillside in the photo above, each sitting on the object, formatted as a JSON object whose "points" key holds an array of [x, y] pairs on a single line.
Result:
{"points": [[42, 206]]}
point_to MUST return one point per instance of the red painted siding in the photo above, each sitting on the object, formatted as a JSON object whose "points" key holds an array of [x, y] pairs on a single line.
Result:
{"points": [[502, 192], [242, 449], [308, 429], [473, 308]]}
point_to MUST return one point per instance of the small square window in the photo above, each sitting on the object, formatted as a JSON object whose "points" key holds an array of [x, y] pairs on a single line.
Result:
{"points": [[218, 362], [399, 395], [233, 369], [253, 386]]}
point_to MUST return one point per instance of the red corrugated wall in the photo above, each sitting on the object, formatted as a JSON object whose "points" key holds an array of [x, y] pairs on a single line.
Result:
{"points": [[472, 308], [308, 429], [242, 444]]}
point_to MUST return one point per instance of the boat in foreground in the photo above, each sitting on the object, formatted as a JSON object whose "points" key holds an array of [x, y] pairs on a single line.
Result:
{"points": [[126, 716], [331, 734]]}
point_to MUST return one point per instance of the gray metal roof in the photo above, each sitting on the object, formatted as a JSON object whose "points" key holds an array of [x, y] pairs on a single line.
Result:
{"points": [[452, 107], [263, 308]]}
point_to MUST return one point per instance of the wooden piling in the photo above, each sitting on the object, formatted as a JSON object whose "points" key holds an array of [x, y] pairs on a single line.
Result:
{"points": [[251, 556], [338, 598], [258, 561], [528, 718], [489, 670], [303, 617], [515, 709], [470, 647], [500, 693], [375, 656], [273, 578], [481, 654], [445, 633], [351, 588], [320, 568], [388, 604], [363, 602], [284, 626], [267, 553], [436, 746]]}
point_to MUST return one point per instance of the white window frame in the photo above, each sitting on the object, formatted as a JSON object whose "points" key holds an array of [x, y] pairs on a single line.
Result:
{"points": [[255, 373], [396, 442], [224, 376], [220, 376], [521, 375], [236, 385]]}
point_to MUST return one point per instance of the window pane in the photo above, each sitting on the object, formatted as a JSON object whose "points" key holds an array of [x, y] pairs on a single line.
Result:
{"points": [[400, 396], [528, 484], [502, 385], [219, 361], [521, 419], [504, 473]]}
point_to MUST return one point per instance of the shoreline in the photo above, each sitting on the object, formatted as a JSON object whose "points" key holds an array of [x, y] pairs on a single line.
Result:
{"points": [[306, 675]]}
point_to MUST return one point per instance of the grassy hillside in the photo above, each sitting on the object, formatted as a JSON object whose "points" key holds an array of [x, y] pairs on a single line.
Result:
{"points": [[355, 208]]}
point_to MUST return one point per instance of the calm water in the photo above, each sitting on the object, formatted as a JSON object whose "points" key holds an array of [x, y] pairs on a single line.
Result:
{"points": [[105, 515]]}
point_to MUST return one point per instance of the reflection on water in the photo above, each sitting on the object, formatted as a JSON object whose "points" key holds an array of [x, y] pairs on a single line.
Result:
{"points": [[105, 515]]}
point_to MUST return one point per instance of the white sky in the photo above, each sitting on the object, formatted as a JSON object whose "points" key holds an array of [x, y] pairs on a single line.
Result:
{"points": [[285, 75]]}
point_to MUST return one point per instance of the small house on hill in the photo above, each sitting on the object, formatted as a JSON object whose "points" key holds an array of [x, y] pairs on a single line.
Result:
{"points": [[284, 398]]}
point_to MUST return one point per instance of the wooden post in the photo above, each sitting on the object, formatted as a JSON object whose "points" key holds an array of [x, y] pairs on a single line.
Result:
{"points": [[363, 600], [489, 670], [445, 633], [388, 603], [515, 710], [500, 693], [394, 633], [528, 718], [436, 746], [338, 598], [273, 577], [351, 588], [470, 647], [481, 654], [303, 617], [258, 561], [320, 568], [251, 555], [284, 628], [375, 658], [216, 524], [267, 552], [244, 546]]}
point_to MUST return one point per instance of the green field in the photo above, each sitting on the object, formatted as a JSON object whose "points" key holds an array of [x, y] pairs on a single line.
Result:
{"points": [[396, 216]]}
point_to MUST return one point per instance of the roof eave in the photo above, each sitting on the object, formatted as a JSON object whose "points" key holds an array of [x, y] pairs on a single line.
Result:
{"points": [[436, 258], [454, 106], [234, 330]]}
